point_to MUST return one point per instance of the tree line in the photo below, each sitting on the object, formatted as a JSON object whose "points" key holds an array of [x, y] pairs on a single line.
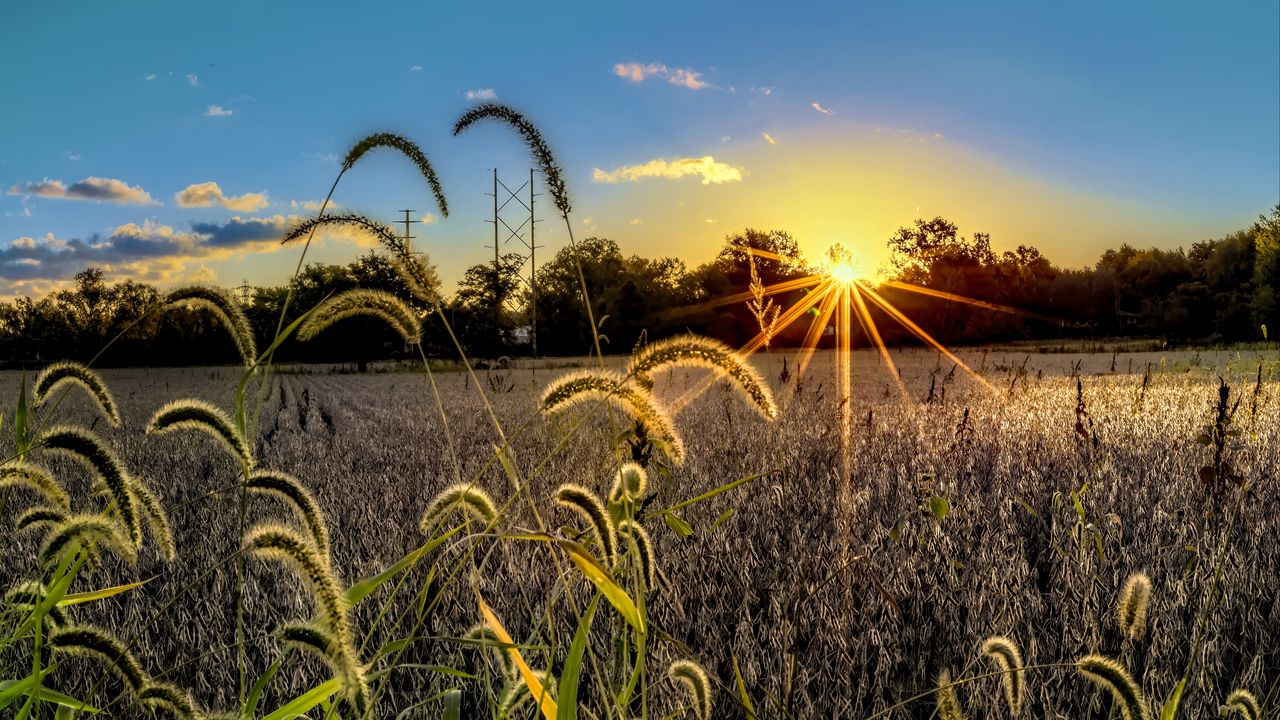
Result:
{"points": [[1218, 290]]}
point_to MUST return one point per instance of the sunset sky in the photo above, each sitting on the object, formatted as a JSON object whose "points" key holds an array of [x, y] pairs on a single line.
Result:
{"points": [[172, 142]]}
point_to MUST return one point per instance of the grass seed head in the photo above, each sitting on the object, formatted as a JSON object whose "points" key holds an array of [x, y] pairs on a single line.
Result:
{"points": [[362, 301], [1243, 703], [37, 480], [694, 678], [89, 449], [629, 483], [482, 633], [167, 696], [222, 305], [95, 642], [407, 148], [533, 139], [639, 538], [586, 504], [192, 414], [156, 517], [949, 705], [418, 276], [1006, 656], [1109, 675], [36, 517], [516, 692], [28, 595], [383, 234], [300, 500], [585, 385], [75, 374], [697, 351], [1131, 608], [465, 497], [86, 529]]}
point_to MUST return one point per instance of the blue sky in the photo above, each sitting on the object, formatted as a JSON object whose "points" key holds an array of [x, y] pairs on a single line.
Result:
{"points": [[1072, 127]]}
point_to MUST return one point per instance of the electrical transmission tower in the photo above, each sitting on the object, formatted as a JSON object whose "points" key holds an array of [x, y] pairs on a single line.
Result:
{"points": [[523, 212], [244, 292], [407, 222]]}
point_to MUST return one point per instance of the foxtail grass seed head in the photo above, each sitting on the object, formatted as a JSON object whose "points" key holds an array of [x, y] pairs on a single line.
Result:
{"points": [[37, 517], [225, 308], [167, 696], [312, 637], [629, 483], [37, 480], [583, 386], [516, 692], [586, 504], [192, 414], [538, 148], [157, 519], [28, 595], [84, 530], [278, 542], [1109, 675], [640, 540], [74, 374], [485, 635], [363, 302], [694, 678], [383, 234], [1131, 608], [98, 643], [1243, 703], [407, 148], [86, 447], [949, 706], [697, 351], [464, 497], [418, 276], [300, 501], [1006, 656]]}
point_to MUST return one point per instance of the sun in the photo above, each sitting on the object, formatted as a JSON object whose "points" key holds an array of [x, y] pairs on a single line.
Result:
{"points": [[844, 273], [842, 266]]}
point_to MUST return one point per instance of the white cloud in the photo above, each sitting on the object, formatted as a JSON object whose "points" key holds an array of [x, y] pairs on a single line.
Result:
{"points": [[90, 188], [482, 94], [207, 194], [192, 79], [725, 138], [636, 221], [711, 221], [312, 206], [706, 167], [149, 77], [218, 111], [71, 156], [823, 110], [763, 90], [684, 77], [416, 68], [937, 136], [768, 138]]}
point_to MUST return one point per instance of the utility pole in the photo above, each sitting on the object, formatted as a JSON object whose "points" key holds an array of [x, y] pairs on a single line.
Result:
{"points": [[244, 292], [407, 221]]}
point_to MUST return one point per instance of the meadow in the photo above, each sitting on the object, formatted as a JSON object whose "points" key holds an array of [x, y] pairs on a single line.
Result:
{"points": [[1015, 506]]}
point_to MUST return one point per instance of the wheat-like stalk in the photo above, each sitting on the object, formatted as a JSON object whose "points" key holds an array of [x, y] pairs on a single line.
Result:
{"points": [[639, 538], [586, 504], [35, 517], [694, 678], [192, 414], [29, 595], [86, 447], [224, 307], [1109, 675], [362, 301], [75, 374], [697, 351], [96, 642], [949, 705], [1006, 656], [532, 138], [312, 637], [375, 229], [299, 499], [85, 529], [278, 542], [157, 519], [37, 480], [1131, 608], [1244, 703], [586, 385], [418, 276], [407, 148], [465, 497], [485, 635], [166, 696]]}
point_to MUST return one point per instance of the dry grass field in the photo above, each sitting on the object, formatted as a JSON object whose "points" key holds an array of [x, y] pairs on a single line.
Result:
{"points": [[1018, 507]]}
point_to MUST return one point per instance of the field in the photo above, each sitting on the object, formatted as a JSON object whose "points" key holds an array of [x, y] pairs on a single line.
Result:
{"points": [[1017, 507]]}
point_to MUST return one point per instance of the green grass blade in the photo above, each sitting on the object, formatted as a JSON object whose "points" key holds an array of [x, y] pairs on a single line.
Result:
{"points": [[711, 493], [84, 597], [604, 582], [453, 705], [11, 690], [306, 701], [364, 588], [1170, 709], [255, 693], [742, 688], [567, 700]]}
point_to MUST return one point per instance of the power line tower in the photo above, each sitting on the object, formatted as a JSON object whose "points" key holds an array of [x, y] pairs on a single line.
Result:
{"points": [[407, 222], [244, 292], [524, 212]]}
